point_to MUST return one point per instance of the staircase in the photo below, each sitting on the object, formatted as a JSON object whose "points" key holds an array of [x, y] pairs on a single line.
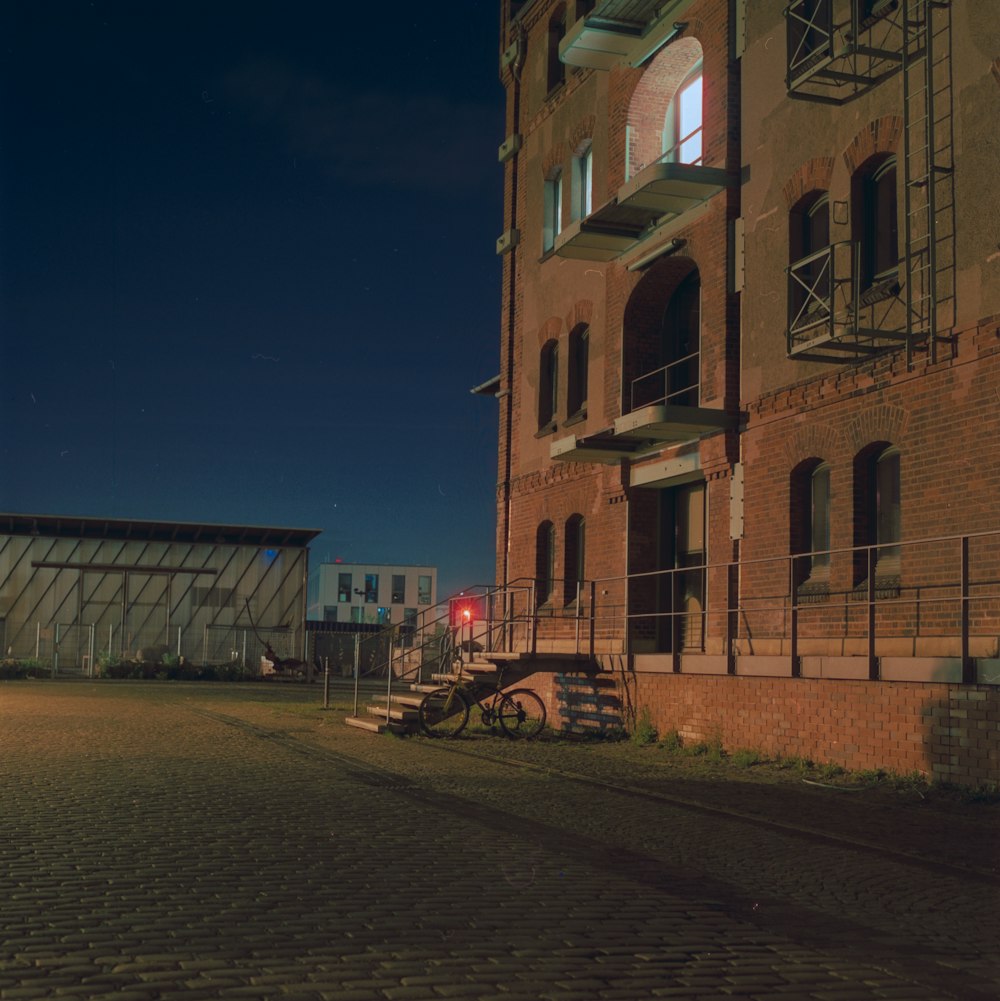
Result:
{"points": [[396, 712]]}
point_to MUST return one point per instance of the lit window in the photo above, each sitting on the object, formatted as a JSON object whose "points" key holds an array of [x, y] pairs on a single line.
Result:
{"points": [[575, 557], [398, 589], [548, 384], [552, 225], [583, 184], [344, 587], [371, 588], [424, 589], [545, 554], [579, 363], [682, 132]]}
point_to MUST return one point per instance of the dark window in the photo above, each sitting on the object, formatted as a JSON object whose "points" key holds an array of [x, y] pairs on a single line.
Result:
{"points": [[548, 384], [357, 614], [424, 589], [680, 338], [575, 556], [556, 69], [344, 587], [545, 555], [584, 7], [579, 361], [878, 513], [371, 588], [875, 220], [810, 521], [810, 27], [398, 589], [329, 613]]}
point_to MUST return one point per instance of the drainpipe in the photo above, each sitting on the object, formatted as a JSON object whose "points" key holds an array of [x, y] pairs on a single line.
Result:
{"points": [[508, 388]]}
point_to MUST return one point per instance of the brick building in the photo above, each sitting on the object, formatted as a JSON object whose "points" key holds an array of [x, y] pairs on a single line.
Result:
{"points": [[749, 389]]}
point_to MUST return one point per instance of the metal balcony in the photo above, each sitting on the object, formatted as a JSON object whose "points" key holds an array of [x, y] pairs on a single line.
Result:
{"points": [[621, 32], [660, 194], [833, 62], [831, 317]]}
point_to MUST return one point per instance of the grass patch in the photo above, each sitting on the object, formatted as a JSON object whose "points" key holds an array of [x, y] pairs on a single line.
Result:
{"points": [[672, 742], [747, 757]]}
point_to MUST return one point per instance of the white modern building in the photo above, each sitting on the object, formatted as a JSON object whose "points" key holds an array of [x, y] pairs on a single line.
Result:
{"points": [[371, 593]]}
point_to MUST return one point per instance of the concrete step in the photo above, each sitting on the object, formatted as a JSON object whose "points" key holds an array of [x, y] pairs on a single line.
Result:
{"points": [[374, 725], [398, 713]]}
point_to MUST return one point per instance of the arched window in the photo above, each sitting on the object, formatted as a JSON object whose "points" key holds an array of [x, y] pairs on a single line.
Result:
{"points": [[552, 209], [810, 520], [579, 363], [809, 267], [583, 182], [875, 224], [878, 512], [545, 557], [556, 68], [548, 384], [682, 127], [575, 557], [680, 338]]}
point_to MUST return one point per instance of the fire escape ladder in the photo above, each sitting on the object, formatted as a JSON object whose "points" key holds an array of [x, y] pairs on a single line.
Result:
{"points": [[929, 233]]}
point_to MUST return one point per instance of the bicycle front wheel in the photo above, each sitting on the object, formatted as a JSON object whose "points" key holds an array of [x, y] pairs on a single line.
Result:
{"points": [[443, 713], [522, 714]]}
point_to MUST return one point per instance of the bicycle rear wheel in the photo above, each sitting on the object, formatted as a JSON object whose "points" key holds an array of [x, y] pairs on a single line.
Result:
{"points": [[443, 713], [522, 714]]}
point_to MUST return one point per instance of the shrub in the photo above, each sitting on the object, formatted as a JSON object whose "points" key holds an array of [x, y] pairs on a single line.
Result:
{"points": [[14, 668], [747, 757], [644, 732], [672, 742]]}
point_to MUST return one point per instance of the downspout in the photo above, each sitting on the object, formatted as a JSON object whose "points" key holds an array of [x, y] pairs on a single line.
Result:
{"points": [[508, 386]]}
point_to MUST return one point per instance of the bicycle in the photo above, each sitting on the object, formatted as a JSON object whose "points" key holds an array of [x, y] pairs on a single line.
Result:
{"points": [[445, 711]]}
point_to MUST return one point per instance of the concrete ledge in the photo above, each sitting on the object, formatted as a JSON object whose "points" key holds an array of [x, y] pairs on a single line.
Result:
{"points": [[945, 669], [843, 668], [988, 669], [764, 667], [703, 663]]}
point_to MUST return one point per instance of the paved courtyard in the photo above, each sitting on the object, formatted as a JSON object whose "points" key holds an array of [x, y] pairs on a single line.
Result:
{"points": [[162, 841]]}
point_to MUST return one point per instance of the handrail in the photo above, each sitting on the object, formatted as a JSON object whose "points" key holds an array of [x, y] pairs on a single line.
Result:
{"points": [[667, 395]]}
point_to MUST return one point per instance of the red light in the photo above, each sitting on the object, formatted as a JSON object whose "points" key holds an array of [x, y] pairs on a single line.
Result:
{"points": [[466, 615]]}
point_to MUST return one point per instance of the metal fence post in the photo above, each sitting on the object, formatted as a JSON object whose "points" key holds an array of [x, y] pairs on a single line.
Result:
{"points": [[968, 666], [793, 592], [872, 659], [357, 669]]}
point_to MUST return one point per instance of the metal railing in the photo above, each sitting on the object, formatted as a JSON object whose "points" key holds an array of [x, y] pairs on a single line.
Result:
{"points": [[654, 387], [939, 594]]}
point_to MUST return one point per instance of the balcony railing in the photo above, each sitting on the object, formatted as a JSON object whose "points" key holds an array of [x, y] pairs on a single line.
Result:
{"points": [[831, 316], [835, 61], [677, 383], [942, 611]]}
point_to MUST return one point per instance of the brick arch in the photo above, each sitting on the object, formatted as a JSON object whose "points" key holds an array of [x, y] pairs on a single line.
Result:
{"points": [[880, 423], [553, 161], [880, 136], [817, 441], [550, 330], [813, 175], [582, 312], [652, 95], [581, 134]]}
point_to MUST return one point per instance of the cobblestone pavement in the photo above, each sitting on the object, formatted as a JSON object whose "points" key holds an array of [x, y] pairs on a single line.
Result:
{"points": [[162, 841]]}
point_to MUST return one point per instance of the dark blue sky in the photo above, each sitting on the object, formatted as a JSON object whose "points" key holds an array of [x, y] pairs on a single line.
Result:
{"points": [[247, 269]]}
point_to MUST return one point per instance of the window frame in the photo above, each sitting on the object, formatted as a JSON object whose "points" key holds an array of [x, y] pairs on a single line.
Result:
{"points": [[579, 370], [552, 219], [575, 557], [876, 220], [674, 120], [583, 183], [545, 557], [548, 385]]}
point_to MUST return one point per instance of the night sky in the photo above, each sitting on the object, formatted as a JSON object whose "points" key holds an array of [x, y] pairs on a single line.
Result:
{"points": [[247, 269]]}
